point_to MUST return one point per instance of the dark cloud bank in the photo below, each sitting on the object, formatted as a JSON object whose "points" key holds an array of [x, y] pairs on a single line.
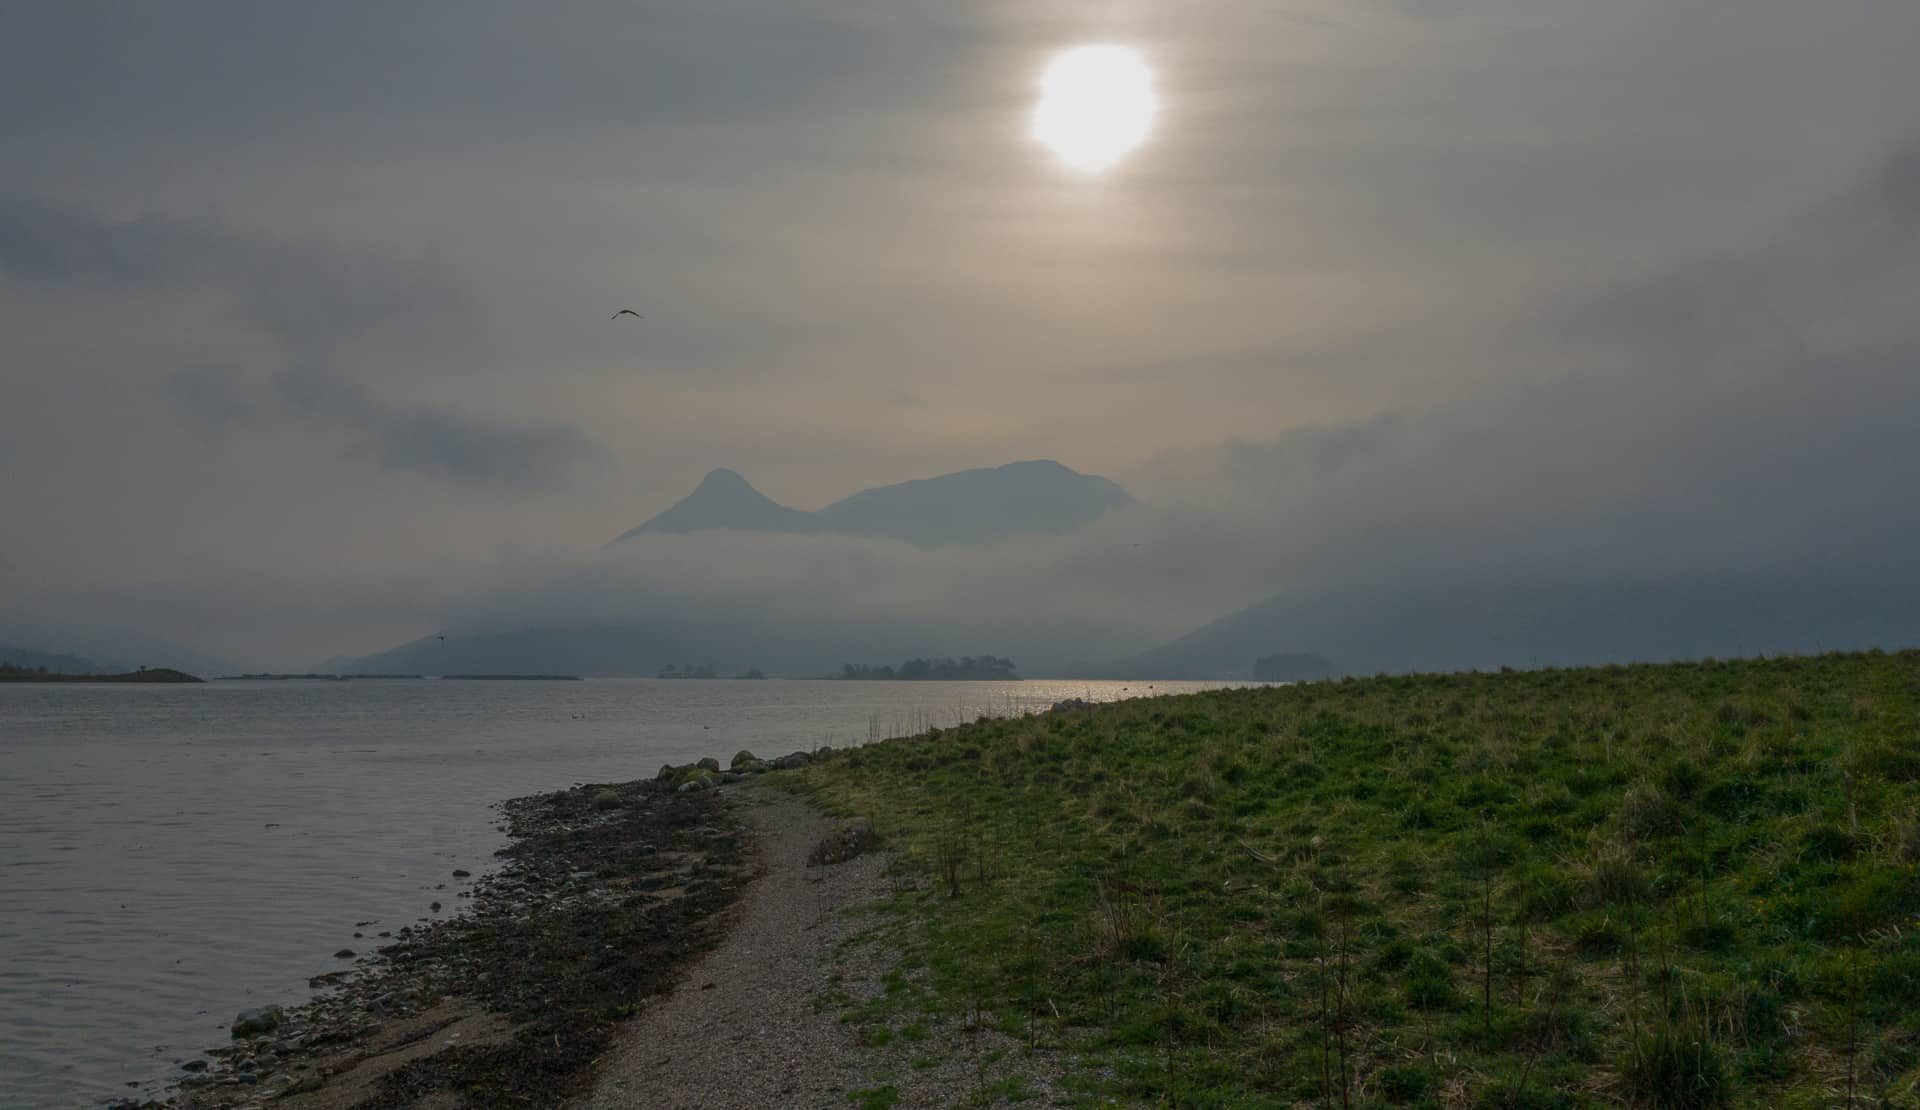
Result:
{"points": [[1633, 451], [1719, 461]]}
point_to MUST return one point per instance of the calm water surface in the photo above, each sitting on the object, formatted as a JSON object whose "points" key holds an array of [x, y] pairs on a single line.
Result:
{"points": [[171, 855]]}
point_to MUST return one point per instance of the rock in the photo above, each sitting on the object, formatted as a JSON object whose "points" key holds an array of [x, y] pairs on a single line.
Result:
{"points": [[667, 771], [194, 1065], [848, 839], [791, 760], [344, 954], [435, 907], [647, 850], [254, 1023], [462, 874], [742, 758], [1070, 705], [708, 764]]}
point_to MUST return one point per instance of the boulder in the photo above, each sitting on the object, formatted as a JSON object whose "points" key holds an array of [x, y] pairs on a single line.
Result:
{"points": [[708, 764], [255, 1023], [791, 760], [699, 779], [743, 757], [667, 771]]}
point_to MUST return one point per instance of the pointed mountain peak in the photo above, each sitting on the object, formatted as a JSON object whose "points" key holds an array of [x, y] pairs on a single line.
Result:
{"points": [[725, 500], [720, 478]]}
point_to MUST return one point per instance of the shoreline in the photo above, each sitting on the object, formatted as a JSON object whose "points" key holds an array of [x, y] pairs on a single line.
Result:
{"points": [[607, 893]]}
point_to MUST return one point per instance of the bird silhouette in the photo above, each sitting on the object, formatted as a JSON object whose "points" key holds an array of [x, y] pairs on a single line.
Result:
{"points": [[626, 312]]}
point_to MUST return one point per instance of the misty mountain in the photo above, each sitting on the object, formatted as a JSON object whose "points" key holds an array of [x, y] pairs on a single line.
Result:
{"points": [[725, 501], [57, 662], [967, 507], [1486, 626], [107, 649]]}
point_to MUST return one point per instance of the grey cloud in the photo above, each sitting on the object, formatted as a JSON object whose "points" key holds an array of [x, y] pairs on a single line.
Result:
{"points": [[443, 443], [310, 295], [354, 71], [833, 208], [211, 397]]}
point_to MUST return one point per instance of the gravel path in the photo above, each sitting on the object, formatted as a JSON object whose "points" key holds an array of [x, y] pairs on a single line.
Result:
{"points": [[748, 1028]]}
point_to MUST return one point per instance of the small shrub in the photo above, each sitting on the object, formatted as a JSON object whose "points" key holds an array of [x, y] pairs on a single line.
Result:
{"points": [[1716, 935], [1404, 1083], [1600, 937], [1879, 898], [1647, 811], [1429, 983], [1678, 1068], [1545, 894], [875, 1098], [1886, 760], [1682, 780], [1615, 880], [1827, 842], [1905, 841]]}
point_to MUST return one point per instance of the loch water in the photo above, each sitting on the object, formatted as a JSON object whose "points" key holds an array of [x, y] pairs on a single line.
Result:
{"points": [[171, 855]]}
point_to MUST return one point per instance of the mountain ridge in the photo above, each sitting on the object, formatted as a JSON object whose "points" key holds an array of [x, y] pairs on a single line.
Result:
{"points": [[1036, 496]]}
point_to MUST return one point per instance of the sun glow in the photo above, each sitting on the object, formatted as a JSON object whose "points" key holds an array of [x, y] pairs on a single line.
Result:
{"points": [[1097, 105]]}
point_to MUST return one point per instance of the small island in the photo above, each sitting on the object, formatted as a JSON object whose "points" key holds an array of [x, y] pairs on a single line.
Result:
{"points": [[704, 671], [688, 671], [11, 673], [984, 668]]}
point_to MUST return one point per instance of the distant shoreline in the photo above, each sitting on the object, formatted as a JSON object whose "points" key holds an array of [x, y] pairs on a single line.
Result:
{"points": [[150, 674], [510, 678]]}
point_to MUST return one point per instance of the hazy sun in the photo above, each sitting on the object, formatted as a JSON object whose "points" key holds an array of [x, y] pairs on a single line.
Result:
{"points": [[1096, 105]]}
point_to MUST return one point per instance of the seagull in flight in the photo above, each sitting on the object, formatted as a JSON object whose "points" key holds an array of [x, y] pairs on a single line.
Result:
{"points": [[626, 312]]}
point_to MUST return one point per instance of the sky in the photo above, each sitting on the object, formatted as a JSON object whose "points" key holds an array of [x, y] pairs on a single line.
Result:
{"points": [[307, 350]]}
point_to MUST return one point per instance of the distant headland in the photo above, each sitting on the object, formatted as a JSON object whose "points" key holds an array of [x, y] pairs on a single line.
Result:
{"points": [[10, 673]]}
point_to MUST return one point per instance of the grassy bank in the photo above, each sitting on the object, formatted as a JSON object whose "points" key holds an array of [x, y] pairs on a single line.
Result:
{"points": [[1685, 885]]}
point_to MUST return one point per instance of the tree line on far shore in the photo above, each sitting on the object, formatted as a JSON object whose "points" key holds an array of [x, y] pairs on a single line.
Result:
{"points": [[970, 667]]}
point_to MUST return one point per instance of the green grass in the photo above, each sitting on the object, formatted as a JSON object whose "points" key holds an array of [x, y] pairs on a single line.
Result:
{"points": [[1683, 885]]}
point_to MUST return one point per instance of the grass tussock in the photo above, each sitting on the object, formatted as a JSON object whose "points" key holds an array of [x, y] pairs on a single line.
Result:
{"points": [[1692, 885]]}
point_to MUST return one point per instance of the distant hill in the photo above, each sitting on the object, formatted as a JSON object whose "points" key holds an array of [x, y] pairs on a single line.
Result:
{"points": [[101, 649], [967, 507], [54, 662], [1291, 667], [1485, 626]]}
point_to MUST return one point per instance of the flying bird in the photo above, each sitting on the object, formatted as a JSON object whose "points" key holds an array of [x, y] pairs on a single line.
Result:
{"points": [[626, 312]]}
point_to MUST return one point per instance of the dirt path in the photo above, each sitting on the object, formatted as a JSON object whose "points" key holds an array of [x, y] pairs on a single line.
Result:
{"points": [[741, 1030], [748, 1026]]}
